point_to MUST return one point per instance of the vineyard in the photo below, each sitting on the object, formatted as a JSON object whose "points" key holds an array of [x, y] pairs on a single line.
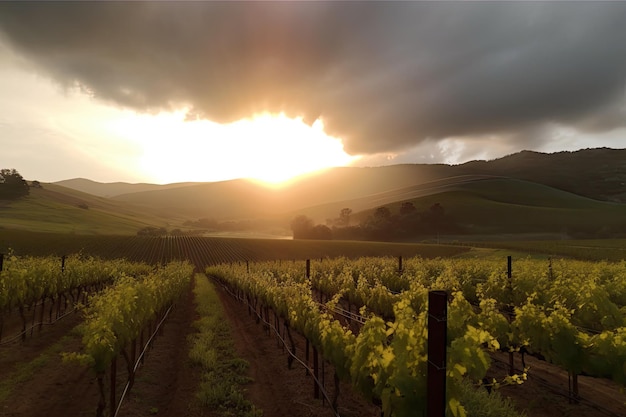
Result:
{"points": [[569, 312], [120, 302], [203, 251], [357, 321]]}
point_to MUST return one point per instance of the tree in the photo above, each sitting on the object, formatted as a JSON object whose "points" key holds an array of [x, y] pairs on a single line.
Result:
{"points": [[407, 208], [301, 226], [12, 185], [437, 211], [344, 216], [321, 232], [379, 226], [382, 213], [152, 231]]}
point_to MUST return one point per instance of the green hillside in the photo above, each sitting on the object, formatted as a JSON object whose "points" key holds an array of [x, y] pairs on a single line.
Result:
{"points": [[595, 173], [54, 208], [599, 174], [511, 206], [388, 198], [566, 194], [114, 188]]}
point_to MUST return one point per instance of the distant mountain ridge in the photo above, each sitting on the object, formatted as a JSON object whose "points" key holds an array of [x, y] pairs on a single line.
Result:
{"points": [[112, 189], [599, 174], [527, 194]]}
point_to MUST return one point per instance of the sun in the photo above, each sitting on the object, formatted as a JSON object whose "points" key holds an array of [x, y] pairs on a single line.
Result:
{"points": [[267, 148], [278, 148]]}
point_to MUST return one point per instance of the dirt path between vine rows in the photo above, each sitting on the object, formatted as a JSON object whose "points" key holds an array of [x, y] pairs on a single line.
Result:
{"points": [[166, 384], [545, 393], [46, 385], [277, 390]]}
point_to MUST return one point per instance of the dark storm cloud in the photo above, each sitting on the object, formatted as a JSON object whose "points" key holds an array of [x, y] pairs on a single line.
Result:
{"points": [[384, 76]]}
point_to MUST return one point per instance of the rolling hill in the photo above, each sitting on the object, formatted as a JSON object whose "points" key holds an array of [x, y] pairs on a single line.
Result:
{"points": [[111, 189], [527, 192], [54, 208], [597, 174], [501, 205]]}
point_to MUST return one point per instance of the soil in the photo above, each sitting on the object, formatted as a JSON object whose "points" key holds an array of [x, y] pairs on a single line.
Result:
{"points": [[166, 384]]}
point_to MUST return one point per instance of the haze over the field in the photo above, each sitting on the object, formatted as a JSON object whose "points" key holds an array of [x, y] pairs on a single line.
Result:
{"points": [[393, 82]]}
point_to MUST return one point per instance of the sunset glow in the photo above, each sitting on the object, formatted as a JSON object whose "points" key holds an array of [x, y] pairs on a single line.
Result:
{"points": [[268, 148], [106, 93]]}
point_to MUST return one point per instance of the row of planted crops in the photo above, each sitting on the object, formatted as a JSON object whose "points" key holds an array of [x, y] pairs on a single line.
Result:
{"points": [[122, 303], [572, 313]]}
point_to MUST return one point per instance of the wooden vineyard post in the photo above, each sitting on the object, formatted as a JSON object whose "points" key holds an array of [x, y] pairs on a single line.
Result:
{"points": [[112, 385], [336, 393], [1, 261], [101, 397], [41, 313], [572, 387], [509, 275], [575, 386], [277, 327], [133, 356], [323, 380], [63, 263], [400, 265], [437, 335], [141, 346], [550, 268], [306, 355], [308, 268], [292, 348], [316, 388]]}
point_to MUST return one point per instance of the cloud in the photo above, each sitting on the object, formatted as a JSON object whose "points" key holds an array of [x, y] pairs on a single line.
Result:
{"points": [[385, 77]]}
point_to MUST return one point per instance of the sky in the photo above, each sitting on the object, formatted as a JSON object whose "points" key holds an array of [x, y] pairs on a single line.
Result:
{"points": [[206, 91]]}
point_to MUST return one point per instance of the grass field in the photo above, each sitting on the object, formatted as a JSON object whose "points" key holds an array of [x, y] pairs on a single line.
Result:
{"points": [[57, 209], [481, 206], [206, 250], [510, 206], [210, 250], [587, 249]]}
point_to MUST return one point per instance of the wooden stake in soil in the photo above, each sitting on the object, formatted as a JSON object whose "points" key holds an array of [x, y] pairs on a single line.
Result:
{"points": [[102, 398], [141, 346], [573, 387], [41, 313], [23, 317], [437, 335], [316, 388], [336, 393], [291, 343], [112, 385], [306, 354], [509, 274], [323, 380]]}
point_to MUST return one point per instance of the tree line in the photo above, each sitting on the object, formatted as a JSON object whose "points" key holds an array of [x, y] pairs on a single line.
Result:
{"points": [[12, 185], [382, 224]]}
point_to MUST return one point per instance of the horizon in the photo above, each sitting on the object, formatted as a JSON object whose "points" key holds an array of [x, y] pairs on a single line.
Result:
{"points": [[305, 87], [315, 173]]}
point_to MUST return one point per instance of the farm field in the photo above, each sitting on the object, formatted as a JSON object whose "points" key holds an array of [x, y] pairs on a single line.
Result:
{"points": [[552, 399], [207, 251], [588, 249]]}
